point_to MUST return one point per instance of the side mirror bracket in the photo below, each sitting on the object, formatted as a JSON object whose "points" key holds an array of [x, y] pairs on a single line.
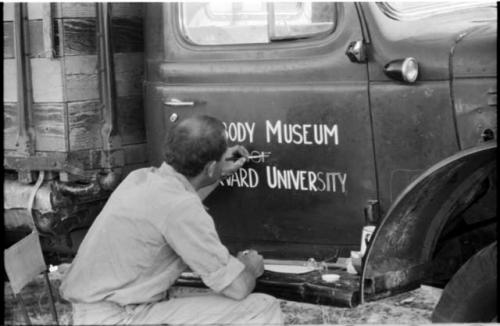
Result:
{"points": [[356, 52]]}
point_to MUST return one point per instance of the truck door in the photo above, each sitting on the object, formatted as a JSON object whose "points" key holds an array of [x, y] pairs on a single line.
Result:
{"points": [[279, 78]]}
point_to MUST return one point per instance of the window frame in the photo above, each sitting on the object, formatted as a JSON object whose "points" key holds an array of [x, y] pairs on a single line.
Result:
{"points": [[272, 45]]}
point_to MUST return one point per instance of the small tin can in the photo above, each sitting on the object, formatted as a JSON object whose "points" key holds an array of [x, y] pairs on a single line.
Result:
{"points": [[366, 235]]}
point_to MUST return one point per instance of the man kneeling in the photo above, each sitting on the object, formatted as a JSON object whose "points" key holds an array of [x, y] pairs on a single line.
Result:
{"points": [[152, 228]]}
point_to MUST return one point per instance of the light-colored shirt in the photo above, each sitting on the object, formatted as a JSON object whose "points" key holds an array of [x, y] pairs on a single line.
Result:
{"points": [[152, 227]]}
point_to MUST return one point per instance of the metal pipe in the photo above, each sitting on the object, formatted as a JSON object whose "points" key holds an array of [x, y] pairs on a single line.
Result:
{"points": [[77, 189], [51, 297], [107, 86], [48, 31], [24, 141]]}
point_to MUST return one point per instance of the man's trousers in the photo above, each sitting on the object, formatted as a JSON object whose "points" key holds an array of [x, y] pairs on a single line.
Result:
{"points": [[256, 309]]}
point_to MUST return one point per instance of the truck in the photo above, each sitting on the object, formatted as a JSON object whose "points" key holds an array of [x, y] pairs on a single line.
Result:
{"points": [[357, 114]]}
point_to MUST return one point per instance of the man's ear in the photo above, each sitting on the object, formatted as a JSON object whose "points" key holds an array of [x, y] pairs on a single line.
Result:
{"points": [[210, 168]]}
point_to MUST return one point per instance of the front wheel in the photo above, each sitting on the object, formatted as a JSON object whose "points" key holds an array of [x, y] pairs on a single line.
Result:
{"points": [[471, 294]]}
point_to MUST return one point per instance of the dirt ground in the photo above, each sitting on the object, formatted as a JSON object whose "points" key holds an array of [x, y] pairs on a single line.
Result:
{"points": [[414, 307]]}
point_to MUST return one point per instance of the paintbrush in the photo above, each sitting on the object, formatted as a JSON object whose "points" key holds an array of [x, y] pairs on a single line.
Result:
{"points": [[235, 158]]}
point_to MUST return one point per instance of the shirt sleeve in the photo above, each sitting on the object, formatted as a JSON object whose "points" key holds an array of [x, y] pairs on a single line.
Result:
{"points": [[191, 233]]}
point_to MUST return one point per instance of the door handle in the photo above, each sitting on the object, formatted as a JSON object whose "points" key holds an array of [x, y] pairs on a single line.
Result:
{"points": [[178, 103]]}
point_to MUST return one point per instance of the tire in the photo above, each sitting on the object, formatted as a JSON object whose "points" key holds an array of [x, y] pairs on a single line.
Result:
{"points": [[471, 294]]}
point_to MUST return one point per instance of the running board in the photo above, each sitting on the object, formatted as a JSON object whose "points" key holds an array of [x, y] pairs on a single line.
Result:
{"points": [[307, 287]]}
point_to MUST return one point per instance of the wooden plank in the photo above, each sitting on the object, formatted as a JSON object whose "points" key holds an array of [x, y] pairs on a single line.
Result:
{"points": [[75, 10], [85, 122], [49, 122], [127, 34], [129, 73], [87, 10], [135, 154], [47, 80], [8, 11], [36, 39], [79, 36], [85, 158], [48, 30], [8, 40], [10, 125], [9, 80], [82, 80], [58, 29], [35, 10], [131, 120], [127, 9], [44, 37], [90, 161], [96, 158]]}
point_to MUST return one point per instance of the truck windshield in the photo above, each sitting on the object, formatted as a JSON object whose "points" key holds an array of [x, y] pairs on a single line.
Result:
{"points": [[421, 10]]}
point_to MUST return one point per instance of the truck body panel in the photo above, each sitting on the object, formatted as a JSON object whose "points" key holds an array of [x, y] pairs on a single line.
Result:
{"points": [[308, 110]]}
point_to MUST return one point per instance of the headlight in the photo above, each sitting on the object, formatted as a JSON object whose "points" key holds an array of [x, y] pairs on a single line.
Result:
{"points": [[410, 70], [405, 70]]}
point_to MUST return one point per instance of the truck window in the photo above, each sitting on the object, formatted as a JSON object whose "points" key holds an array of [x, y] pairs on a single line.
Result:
{"points": [[224, 23]]}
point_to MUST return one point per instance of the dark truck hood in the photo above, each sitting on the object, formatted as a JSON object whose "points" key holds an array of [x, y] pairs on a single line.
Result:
{"points": [[475, 52], [464, 40], [473, 71]]}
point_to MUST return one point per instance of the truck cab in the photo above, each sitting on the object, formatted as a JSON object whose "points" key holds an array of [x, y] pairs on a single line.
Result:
{"points": [[358, 114]]}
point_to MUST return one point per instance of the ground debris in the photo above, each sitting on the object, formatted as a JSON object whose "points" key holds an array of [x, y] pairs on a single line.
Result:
{"points": [[418, 310], [413, 307]]}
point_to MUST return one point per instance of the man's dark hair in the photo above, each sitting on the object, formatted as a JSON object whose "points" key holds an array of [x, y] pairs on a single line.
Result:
{"points": [[194, 142]]}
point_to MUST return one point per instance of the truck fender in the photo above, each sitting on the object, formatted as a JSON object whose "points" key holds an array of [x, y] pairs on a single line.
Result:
{"points": [[399, 253]]}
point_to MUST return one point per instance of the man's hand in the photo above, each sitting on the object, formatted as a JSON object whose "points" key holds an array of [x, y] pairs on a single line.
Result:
{"points": [[245, 282], [252, 261], [234, 158]]}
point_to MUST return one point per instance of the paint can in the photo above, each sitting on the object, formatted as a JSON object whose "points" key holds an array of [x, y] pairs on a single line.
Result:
{"points": [[366, 235]]}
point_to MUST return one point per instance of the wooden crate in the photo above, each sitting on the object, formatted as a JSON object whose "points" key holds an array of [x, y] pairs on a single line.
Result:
{"points": [[67, 112]]}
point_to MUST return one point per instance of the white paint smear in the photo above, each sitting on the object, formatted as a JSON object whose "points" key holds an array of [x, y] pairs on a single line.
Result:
{"points": [[289, 269]]}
